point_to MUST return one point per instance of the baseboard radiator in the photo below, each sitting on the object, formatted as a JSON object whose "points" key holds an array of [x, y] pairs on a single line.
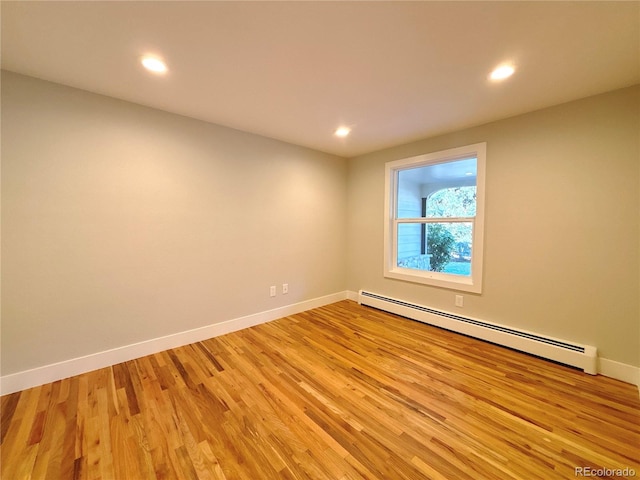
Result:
{"points": [[580, 356]]}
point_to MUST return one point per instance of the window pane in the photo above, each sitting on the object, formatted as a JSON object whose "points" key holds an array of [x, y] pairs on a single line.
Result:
{"points": [[452, 202], [410, 242], [409, 201], [428, 199], [436, 247], [439, 190]]}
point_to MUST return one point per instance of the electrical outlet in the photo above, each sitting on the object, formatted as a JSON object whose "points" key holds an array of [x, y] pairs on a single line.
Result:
{"points": [[285, 288], [272, 291], [459, 301]]}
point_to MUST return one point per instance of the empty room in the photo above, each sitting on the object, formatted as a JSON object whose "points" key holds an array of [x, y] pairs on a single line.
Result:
{"points": [[320, 240]]}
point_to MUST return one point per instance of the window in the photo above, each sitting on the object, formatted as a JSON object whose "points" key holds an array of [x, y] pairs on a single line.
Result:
{"points": [[434, 212]]}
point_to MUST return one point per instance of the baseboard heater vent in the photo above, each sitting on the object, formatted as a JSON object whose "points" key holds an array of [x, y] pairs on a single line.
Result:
{"points": [[580, 356]]}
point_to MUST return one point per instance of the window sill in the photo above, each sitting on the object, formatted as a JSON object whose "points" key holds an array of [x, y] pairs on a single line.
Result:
{"points": [[436, 279]]}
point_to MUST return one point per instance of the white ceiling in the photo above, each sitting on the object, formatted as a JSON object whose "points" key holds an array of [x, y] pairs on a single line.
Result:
{"points": [[294, 71]]}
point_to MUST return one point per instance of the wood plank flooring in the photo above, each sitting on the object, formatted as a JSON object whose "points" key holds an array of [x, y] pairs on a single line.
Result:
{"points": [[339, 392]]}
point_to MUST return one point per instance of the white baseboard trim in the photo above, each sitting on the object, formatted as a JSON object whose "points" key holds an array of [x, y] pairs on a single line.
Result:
{"points": [[351, 295], [76, 366], [619, 371]]}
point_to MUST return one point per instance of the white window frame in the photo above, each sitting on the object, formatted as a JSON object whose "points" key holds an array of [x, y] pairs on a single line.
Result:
{"points": [[472, 283]]}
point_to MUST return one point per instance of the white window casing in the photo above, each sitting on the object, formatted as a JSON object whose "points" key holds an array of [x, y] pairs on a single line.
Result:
{"points": [[471, 283]]}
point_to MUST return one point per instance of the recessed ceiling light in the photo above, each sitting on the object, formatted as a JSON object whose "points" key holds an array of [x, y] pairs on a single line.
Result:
{"points": [[154, 65], [342, 132], [502, 72]]}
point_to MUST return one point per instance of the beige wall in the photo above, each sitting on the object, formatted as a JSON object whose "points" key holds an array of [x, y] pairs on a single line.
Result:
{"points": [[122, 223], [561, 240]]}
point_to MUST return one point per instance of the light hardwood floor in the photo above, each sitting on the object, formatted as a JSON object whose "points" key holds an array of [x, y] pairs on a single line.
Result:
{"points": [[339, 392]]}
